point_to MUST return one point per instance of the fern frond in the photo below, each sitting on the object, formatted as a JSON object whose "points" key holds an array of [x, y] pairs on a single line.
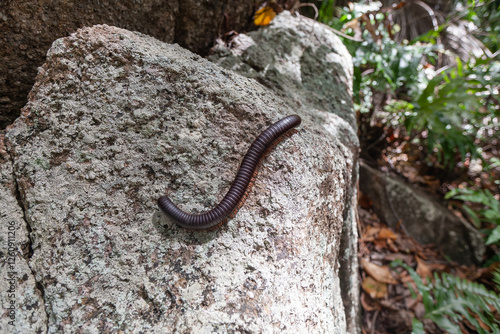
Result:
{"points": [[496, 278], [450, 300]]}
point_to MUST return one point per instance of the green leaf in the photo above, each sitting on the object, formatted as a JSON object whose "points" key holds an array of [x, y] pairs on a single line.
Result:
{"points": [[474, 217], [490, 212], [494, 236], [492, 215], [418, 327], [476, 197], [326, 11]]}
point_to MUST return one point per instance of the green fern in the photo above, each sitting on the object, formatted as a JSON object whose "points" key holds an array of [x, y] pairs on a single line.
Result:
{"points": [[496, 278], [489, 213], [451, 300]]}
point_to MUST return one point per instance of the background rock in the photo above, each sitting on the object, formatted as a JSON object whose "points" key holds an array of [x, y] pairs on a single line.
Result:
{"points": [[301, 60], [116, 119], [28, 28], [426, 220]]}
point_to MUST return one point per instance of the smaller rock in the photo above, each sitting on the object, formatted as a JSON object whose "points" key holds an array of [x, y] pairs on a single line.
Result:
{"points": [[424, 218]]}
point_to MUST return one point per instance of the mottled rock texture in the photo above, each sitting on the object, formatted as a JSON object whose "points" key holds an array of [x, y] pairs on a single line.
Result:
{"points": [[28, 28], [117, 119], [421, 216], [23, 309], [301, 60], [306, 64]]}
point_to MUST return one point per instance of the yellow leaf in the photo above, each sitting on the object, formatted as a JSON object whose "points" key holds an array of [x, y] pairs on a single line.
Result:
{"points": [[264, 16]]}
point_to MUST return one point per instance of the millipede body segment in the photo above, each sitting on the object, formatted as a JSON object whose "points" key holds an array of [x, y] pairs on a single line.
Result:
{"points": [[242, 184]]}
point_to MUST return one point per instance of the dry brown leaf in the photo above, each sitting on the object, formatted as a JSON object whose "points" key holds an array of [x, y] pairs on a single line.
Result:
{"points": [[374, 288], [379, 273], [468, 272], [406, 258], [386, 233], [437, 266], [353, 24], [370, 233], [365, 202], [419, 310], [406, 245], [392, 246], [423, 269], [405, 278], [380, 244], [369, 304], [411, 302]]}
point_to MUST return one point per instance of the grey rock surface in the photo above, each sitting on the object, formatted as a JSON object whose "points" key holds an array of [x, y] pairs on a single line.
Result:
{"points": [[306, 64], [301, 60], [426, 220], [117, 119], [23, 309]]}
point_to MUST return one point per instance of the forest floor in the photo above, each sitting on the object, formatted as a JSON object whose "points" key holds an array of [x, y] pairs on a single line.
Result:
{"points": [[389, 297], [386, 298]]}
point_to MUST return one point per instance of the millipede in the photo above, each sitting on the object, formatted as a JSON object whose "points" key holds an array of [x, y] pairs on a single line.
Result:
{"points": [[242, 185]]}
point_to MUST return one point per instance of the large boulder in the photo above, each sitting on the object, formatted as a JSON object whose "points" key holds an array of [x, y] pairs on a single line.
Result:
{"points": [[117, 119], [307, 65], [23, 309]]}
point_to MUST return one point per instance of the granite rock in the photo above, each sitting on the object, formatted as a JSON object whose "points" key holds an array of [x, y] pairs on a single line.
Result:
{"points": [[117, 119]]}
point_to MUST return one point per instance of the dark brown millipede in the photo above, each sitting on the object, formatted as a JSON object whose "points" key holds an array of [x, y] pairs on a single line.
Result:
{"points": [[242, 184]]}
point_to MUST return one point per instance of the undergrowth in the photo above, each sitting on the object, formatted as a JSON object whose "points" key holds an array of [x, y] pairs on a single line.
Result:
{"points": [[451, 302], [449, 110]]}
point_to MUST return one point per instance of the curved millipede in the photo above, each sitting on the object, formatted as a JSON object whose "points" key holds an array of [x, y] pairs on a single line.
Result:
{"points": [[242, 184]]}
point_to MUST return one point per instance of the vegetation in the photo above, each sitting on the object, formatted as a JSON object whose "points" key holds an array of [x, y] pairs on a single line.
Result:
{"points": [[444, 103], [449, 300], [442, 108]]}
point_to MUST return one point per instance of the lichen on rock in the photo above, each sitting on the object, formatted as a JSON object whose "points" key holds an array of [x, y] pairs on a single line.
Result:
{"points": [[117, 119]]}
